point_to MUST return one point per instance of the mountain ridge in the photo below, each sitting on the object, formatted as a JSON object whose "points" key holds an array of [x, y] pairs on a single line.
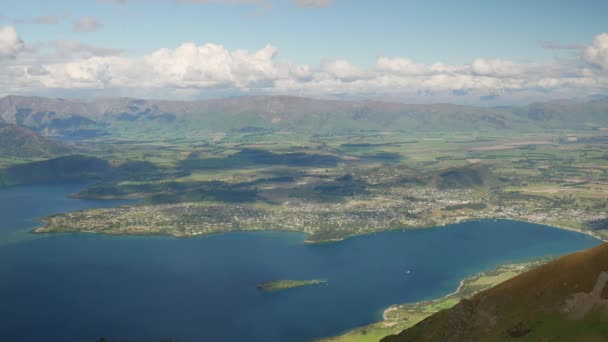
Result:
{"points": [[17, 141], [67, 117]]}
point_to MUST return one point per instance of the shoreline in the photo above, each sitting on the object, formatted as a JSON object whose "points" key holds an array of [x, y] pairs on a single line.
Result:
{"points": [[457, 291], [572, 229], [459, 294], [41, 230]]}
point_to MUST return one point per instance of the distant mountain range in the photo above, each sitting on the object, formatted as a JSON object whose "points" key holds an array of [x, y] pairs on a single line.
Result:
{"points": [[124, 116], [564, 300]]}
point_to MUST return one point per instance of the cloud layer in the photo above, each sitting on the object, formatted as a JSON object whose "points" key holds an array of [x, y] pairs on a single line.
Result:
{"points": [[199, 70]]}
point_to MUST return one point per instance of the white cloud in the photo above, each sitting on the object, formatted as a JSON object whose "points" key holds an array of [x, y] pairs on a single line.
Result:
{"points": [[313, 3], [401, 66], [341, 69], [87, 24], [192, 69], [495, 67], [10, 43], [187, 66], [212, 65], [597, 54]]}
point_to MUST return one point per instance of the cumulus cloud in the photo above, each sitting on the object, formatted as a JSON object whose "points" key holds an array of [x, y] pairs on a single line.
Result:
{"points": [[313, 3], [200, 69], [341, 69], [212, 65], [187, 66], [495, 67], [10, 43], [87, 24], [191, 66], [401, 66], [597, 54], [93, 73]]}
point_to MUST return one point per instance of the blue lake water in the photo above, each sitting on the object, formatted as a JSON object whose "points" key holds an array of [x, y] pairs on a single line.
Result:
{"points": [[80, 287]]}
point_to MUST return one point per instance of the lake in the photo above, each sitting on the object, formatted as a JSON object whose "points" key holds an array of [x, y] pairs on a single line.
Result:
{"points": [[80, 287]]}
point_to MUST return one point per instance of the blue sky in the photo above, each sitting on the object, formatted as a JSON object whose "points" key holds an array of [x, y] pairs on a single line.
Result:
{"points": [[447, 31], [451, 32]]}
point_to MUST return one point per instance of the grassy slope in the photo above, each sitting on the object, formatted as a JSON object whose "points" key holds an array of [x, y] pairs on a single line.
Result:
{"points": [[529, 305]]}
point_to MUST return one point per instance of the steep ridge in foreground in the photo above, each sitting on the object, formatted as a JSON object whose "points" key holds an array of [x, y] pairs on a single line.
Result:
{"points": [[565, 300]]}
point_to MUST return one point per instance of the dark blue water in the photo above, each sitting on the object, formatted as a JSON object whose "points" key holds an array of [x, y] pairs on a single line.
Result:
{"points": [[20, 207], [80, 287]]}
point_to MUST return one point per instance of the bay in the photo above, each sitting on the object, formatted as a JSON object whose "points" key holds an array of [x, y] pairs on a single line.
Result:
{"points": [[80, 287]]}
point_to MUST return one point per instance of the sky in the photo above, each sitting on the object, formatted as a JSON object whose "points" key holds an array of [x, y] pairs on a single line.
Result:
{"points": [[473, 52]]}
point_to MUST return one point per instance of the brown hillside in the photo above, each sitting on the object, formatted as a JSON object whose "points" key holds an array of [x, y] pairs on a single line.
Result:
{"points": [[531, 306], [21, 142]]}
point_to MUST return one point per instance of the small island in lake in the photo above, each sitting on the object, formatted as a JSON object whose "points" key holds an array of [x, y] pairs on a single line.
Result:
{"points": [[281, 285]]}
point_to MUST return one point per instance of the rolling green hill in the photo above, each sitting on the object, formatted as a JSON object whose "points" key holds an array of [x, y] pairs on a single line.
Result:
{"points": [[564, 300], [472, 176]]}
